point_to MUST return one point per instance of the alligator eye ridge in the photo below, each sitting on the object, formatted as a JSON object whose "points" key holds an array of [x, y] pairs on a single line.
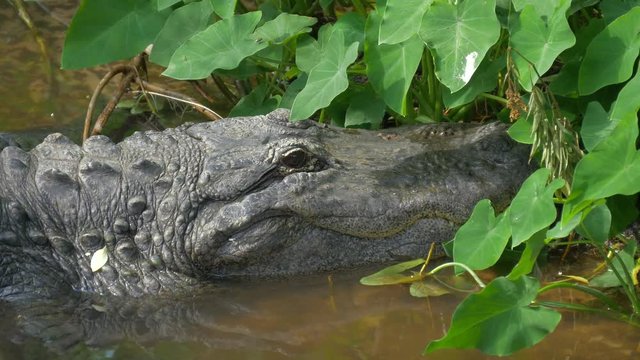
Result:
{"points": [[295, 159]]}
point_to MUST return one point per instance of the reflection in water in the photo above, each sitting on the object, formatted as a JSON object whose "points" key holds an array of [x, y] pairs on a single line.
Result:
{"points": [[312, 318], [309, 319], [28, 97]]}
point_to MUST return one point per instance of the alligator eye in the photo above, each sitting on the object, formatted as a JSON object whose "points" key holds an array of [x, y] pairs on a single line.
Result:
{"points": [[295, 159]]}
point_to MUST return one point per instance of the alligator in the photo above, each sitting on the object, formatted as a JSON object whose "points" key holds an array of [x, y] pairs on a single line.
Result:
{"points": [[239, 198]]}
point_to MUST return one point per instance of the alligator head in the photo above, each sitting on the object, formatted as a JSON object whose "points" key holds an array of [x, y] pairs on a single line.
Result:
{"points": [[245, 197]]}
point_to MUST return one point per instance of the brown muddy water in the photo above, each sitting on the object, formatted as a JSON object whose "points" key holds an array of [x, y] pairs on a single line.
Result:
{"points": [[325, 317]]}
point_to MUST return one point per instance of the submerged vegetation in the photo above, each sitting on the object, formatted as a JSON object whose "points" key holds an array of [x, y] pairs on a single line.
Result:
{"points": [[564, 72]]}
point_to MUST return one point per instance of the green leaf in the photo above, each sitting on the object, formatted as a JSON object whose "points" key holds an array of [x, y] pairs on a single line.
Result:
{"points": [[327, 79], [611, 55], [483, 80], [220, 46], [401, 19], [99, 259], [351, 25], [392, 274], [628, 102], [365, 109], [183, 23], [538, 38], [283, 27], [325, 4], [532, 209], [545, 8], [308, 50], [256, 103], [611, 10], [520, 131], [565, 83], [224, 8], [459, 37], [292, 91], [563, 228], [390, 68], [103, 31], [163, 4], [427, 289], [623, 262], [596, 125], [577, 5], [613, 167], [527, 261], [499, 320], [623, 212], [596, 225], [482, 239]]}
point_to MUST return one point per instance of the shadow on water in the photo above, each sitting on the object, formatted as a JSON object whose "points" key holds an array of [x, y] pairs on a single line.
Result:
{"points": [[312, 318]]}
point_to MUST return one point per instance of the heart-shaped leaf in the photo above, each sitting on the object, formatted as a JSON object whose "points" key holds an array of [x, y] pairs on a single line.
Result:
{"points": [[499, 320]]}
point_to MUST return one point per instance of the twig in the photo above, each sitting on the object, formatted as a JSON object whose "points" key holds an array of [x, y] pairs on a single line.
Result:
{"points": [[160, 91], [126, 80], [94, 97], [224, 89], [196, 84]]}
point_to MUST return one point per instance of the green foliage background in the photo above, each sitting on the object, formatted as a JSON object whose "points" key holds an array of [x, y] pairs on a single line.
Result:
{"points": [[565, 72]]}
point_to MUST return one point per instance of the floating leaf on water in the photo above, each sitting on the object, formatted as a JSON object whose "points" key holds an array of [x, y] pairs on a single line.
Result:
{"points": [[427, 288], [99, 259], [393, 274]]}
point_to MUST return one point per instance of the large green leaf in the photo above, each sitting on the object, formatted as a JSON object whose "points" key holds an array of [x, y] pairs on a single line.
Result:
{"points": [[483, 80], [256, 103], [328, 78], [365, 110], [163, 4], [103, 31], [224, 8], [283, 27], [529, 256], [183, 23], [613, 167], [401, 20], [596, 224], [623, 212], [596, 125], [482, 239], [390, 68], [292, 91], [499, 320], [220, 46], [520, 131], [308, 50], [565, 83], [611, 10], [628, 102], [610, 56], [351, 25], [532, 209], [538, 38], [459, 36]]}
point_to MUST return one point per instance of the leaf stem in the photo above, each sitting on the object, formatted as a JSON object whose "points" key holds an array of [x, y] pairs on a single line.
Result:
{"points": [[453, 263], [495, 98]]}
